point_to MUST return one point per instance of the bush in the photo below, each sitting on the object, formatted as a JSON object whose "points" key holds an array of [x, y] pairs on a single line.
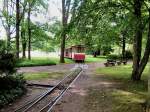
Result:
{"points": [[11, 88], [128, 54], [11, 84], [7, 64], [113, 56], [2, 47]]}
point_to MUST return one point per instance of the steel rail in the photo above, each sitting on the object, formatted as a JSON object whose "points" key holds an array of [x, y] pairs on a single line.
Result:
{"points": [[31, 103], [51, 104], [42, 96]]}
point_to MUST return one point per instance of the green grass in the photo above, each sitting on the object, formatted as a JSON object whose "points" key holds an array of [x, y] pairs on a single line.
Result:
{"points": [[40, 61], [35, 62], [121, 72], [40, 76], [90, 58], [67, 60], [123, 75], [129, 96]]}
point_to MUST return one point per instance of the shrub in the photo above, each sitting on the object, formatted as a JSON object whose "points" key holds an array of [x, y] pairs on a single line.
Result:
{"points": [[2, 47], [11, 88], [113, 56], [11, 84], [7, 64], [128, 54]]}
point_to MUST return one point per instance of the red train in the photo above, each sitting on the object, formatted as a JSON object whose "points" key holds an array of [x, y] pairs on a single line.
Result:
{"points": [[76, 53]]}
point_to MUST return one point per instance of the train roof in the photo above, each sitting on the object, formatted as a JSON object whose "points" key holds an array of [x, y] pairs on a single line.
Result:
{"points": [[83, 46]]}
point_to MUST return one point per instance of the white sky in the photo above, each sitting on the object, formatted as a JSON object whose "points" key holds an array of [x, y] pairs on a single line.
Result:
{"points": [[54, 11]]}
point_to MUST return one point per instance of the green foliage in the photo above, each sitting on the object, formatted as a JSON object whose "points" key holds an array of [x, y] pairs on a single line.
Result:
{"points": [[120, 72], [11, 88], [35, 62], [114, 57], [9, 82], [90, 58], [40, 76], [2, 46], [7, 61], [128, 54], [7, 64], [107, 49]]}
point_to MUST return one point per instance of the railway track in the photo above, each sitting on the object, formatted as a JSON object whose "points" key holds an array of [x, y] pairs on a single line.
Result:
{"points": [[52, 95]]}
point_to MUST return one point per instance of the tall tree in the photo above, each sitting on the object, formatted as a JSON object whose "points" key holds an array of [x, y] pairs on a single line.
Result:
{"points": [[17, 27], [23, 36], [19, 16], [65, 14], [29, 30], [32, 5], [140, 62], [136, 11], [7, 18]]}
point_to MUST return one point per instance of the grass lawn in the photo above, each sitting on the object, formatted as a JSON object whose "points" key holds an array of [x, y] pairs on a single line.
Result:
{"points": [[35, 62], [121, 72], [40, 76], [129, 96], [90, 58], [54, 60], [40, 62]]}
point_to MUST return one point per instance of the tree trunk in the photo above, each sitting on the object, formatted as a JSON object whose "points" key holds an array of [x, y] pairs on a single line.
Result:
{"points": [[62, 60], [29, 32], [7, 27], [24, 50], [8, 38], [145, 58], [94, 54], [63, 35], [17, 27], [24, 43], [123, 46], [137, 44]]}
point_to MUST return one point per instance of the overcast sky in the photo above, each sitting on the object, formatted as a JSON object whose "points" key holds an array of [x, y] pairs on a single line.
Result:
{"points": [[54, 10]]}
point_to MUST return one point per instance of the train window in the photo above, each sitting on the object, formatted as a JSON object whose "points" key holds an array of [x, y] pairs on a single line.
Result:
{"points": [[80, 49]]}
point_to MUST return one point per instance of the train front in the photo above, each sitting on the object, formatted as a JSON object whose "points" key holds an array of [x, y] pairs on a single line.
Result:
{"points": [[78, 54]]}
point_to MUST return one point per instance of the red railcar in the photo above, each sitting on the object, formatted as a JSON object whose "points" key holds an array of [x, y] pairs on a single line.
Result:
{"points": [[75, 52]]}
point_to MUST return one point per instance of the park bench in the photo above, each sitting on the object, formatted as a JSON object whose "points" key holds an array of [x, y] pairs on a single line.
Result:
{"points": [[110, 63], [118, 62], [122, 62]]}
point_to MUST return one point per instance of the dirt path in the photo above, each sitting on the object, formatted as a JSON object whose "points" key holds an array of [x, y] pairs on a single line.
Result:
{"points": [[87, 94], [82, 97], [53, 68]]}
